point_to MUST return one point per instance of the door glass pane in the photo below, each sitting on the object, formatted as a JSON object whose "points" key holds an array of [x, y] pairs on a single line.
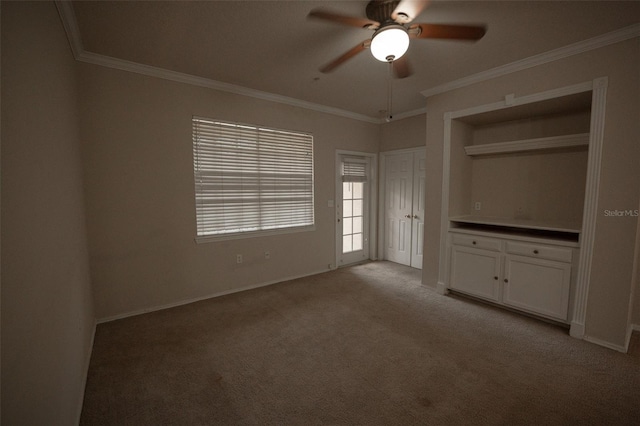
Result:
{"points": [[357, 190], [357, 224], [357, 242], [347, 209], [347, 188], [357, 207], [346, 244], [347, 227]]}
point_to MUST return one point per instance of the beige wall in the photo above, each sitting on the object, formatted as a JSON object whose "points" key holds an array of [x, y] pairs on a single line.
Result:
{"points": [[404, 133], [47, 314], [140, 192], [614, 252]]}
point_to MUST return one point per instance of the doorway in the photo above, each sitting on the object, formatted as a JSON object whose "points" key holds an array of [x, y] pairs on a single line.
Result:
{"points": [[354, 182], [404, 206]]}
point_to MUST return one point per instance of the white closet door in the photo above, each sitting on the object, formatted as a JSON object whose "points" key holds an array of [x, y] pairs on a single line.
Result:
{"points": [[398, 207], [417, 228]]}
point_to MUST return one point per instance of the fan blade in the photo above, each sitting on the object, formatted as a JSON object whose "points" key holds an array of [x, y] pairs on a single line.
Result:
{"points": [[459, 32], [407, 10], [343, 19], [402, 68], [345, 57]]}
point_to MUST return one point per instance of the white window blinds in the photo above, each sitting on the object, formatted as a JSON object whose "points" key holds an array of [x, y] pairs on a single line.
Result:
{"points": [[354, 169], [251, 179]]}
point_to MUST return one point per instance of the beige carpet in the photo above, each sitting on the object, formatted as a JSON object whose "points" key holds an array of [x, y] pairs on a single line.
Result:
{"points": [[365, 345]]}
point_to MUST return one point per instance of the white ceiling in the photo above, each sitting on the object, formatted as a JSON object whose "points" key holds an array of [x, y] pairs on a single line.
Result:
{"points": [[271, 46]]}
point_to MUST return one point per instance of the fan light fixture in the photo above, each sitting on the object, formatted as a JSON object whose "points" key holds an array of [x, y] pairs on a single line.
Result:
{"points": [[389, 43]]}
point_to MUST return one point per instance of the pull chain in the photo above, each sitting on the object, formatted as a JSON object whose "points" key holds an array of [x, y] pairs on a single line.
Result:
{"points": [[390, 92]]}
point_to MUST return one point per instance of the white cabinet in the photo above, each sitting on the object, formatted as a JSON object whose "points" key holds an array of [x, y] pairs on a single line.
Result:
{"points": [[533, 275], [476, 272], [537, 285]]}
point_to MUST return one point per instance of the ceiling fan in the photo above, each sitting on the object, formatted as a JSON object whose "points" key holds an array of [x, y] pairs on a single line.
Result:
{"points": [[391, 22]]}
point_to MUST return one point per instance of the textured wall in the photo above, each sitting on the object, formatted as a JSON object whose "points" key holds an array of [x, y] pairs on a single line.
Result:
{"points": [[47, 309], [140, 192]]}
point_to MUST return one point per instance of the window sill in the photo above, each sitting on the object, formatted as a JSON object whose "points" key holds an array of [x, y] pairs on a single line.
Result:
{"points": [[252, 234]]}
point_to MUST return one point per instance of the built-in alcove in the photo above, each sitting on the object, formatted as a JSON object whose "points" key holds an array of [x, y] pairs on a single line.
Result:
{"points": [[519, 201], [523, 167]]}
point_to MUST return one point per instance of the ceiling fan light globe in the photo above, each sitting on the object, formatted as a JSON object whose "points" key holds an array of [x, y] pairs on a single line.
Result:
{"points": [[390, 43]]}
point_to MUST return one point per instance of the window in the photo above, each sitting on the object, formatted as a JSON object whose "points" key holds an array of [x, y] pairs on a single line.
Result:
{"points": [[251, 180]]}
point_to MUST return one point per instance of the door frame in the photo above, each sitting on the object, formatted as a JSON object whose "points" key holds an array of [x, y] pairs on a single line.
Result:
{"points": [[381, 191], [372, 205]]}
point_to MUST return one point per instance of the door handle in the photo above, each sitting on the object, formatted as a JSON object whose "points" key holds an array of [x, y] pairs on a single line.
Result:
{"points": [[415, 216], [408, 216]]}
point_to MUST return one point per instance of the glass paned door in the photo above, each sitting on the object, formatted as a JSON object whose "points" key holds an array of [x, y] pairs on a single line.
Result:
{"points": [[352, 209]]}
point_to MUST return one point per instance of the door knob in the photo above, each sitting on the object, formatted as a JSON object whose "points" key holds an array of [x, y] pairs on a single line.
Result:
{"points": [[408, 216], [415, 216]]}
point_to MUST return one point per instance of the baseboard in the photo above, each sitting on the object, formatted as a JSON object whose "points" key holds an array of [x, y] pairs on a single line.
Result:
{"points": [[633, 328], [441, 288], [605, 344], [576, 330], [209, 296], [86, 371]]}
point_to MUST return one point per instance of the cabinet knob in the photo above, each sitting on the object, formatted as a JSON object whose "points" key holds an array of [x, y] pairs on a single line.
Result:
{"points": [[473, 242], [535, 252], [506, 280], [495, 278]]}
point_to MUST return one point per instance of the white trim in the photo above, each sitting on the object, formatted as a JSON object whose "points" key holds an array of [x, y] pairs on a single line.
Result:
{"points": [[443, 270], [553, 142], [604, 343], [120, 64], [403, 150], [85, 373], [408, 114], [209, 296], [587, 236], [373, 203], [596, 137], [583, 46], [511, 100], [70, 24], [69, 21], [206, 239]]}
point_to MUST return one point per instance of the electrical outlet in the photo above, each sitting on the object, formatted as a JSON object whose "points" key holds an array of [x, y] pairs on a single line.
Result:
{"points": [[478, 205], [267, 255], [238, 258]]}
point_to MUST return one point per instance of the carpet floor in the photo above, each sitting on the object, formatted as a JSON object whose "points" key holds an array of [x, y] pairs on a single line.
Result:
{"points": [[362, 345]]}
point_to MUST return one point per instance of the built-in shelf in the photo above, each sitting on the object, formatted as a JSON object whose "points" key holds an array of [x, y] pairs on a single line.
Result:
{"points": [[554, 142], [571, 228]]}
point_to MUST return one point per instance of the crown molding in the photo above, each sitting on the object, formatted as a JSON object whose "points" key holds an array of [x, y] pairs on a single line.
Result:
{"points": [[607, 39], [70, 23], [123, 65]]}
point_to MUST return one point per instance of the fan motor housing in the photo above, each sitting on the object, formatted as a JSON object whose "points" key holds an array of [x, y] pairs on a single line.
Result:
{"points": [[381, 10]]}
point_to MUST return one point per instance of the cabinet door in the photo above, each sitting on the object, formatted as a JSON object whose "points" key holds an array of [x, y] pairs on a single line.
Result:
{"points": [[476, 272], [537, 285]]}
